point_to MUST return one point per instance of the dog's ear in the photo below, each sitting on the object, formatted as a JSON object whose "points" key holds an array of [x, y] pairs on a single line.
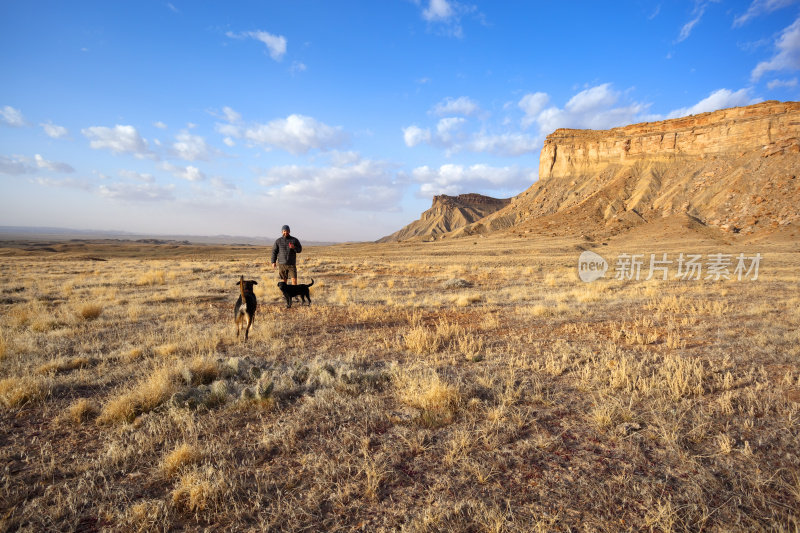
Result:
{"points": [[254, 282]]}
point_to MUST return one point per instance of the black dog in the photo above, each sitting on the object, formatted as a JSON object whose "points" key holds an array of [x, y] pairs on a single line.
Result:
{"points": [[244, 312], [290, 291]]}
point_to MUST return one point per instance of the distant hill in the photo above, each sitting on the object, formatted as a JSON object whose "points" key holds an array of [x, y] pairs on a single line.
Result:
{"points": [[60, 234], [448, 213]]}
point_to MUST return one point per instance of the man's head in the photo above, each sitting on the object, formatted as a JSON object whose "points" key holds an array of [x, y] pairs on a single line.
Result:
{"points": [[285, 230]]}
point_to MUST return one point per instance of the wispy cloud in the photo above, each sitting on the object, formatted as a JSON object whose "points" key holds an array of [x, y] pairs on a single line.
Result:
{"points": [[463, 105], [697, 14], [55, 132], [15, 166], [137, 192], [438, 10], [777, 84], [787, 54], [508, 144], [761, 7], [66, 183], [719, 99], [297, 67], [276, 44], [52, 165], [12, 117], [188, 173], [446, 15], [137, 176]]}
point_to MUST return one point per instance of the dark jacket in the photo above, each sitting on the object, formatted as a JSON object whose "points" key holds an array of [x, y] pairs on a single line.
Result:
{"points": [[283, 254]]}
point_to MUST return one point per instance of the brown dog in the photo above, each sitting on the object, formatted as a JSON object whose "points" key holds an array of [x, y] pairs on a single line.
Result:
{"points": [[244, 312]]}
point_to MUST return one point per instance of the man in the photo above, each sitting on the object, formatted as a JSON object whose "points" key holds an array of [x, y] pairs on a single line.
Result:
{"points": [[284, 255]]}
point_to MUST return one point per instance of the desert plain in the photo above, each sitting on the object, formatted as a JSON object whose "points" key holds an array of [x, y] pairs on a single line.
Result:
{"points": [[472, 384]]}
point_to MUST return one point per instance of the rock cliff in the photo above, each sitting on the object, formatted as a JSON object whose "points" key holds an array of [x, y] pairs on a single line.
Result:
{"points": [[735, 169], [772, 127], [448, 213]]}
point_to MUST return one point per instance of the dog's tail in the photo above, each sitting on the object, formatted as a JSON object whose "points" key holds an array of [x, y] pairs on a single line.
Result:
{"points": [[241, 287], [312, 282]]}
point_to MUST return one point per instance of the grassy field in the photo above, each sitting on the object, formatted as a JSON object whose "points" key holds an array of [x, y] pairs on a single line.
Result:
{"points": [[472, 385]]}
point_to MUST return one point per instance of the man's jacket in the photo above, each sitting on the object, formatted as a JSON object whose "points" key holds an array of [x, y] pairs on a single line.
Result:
{"points": [[282, 253]]}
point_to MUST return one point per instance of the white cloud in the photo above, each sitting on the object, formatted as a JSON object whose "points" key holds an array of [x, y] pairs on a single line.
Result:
{"points": [[55, 132], [229, 130], [761, 7], [719, 99], [223, 185], [438, 10], [450, 136], [463, 105], [340, 159], [506, 144], [532, 104], [137, 176], [276, 44], [447, 127], [191, 147], [458, 179], [52, 165], [139, 192], [297, 134], [15, 166], [188, 173], [593, 108], [787, 56], [698, 12], [119, 140], [775, 84], [12, 117], [364, 185], [414, 135], [69, 183], [160, 125], [297, 66], [445, 16], [231, 115], [601, 96]]}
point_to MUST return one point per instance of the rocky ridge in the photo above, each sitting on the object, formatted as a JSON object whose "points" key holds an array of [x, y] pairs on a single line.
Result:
{"points": [[735, 170], [446, 214]]}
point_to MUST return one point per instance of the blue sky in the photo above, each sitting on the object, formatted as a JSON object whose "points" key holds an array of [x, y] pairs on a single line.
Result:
{"points": [[342, 118]]}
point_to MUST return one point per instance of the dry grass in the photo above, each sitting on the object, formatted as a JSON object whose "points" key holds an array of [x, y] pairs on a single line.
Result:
{"points": [[521, 400], [19, 391], [182, 456]]}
